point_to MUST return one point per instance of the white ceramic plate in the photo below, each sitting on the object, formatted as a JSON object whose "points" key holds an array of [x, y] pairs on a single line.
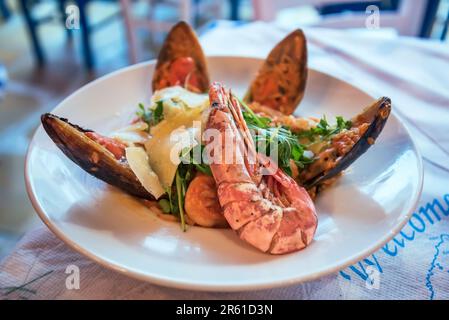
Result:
{"points": [[367, 207]]}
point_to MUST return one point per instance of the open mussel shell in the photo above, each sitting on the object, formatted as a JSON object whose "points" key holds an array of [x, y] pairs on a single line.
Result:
{"points": [[91, 156], [377, 115], [281, 80], [181, 42]]}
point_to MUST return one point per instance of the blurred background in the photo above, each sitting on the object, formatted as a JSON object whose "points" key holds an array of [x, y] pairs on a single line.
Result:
{"points": [[49, 48]]}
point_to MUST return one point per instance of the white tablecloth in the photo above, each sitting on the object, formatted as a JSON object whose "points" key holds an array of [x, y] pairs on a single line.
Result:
{"points": [[415, 265]]}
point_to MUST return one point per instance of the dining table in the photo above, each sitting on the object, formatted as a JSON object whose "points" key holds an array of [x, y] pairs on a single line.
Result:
{"points": [[414, 264]]}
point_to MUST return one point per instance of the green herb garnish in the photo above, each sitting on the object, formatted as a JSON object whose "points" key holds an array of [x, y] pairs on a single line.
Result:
{"points": [[288, 146], [165, 205], [143, 114], [180, 192], [342, 124], [323, 127], [151, 117], [158, 112], [188, 157], [286, 143], [173, 200], [324, 131], [184, 175], [253, 119]]}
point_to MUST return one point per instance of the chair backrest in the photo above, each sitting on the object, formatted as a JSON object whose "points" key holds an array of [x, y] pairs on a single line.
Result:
{"points": [[133, 23], [407, 19]]}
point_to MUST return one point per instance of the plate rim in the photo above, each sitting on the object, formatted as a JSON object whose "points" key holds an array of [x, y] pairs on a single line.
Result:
{"points": [[260, 285]]}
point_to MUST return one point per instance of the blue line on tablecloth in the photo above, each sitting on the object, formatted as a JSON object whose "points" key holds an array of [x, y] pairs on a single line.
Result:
{"points": [[430, 273], [429, 214]]}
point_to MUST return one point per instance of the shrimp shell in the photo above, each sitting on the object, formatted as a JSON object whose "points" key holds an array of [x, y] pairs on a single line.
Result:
{"points": [[271, 212]]}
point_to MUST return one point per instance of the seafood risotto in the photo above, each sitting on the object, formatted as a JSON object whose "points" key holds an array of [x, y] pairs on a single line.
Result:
{"points": [[201, 156]]}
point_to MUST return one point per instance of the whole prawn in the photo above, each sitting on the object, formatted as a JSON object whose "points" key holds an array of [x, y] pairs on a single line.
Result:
{"points": [[271, 212]]}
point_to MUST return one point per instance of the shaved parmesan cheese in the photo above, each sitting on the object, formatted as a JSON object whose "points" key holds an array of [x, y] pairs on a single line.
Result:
{"points": [[176, 100], [180, 129], [168, 139], [134, 133], [131, 137], [138, 161]]}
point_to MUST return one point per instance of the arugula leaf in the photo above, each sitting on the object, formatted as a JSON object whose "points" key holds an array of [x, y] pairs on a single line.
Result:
{"points": [[322, 127], [180, 191], [297, 152], [151, 117], [324, 131], [342, 124], [288, 146], [173, 200], [202, 167], [286, 143], [252, 118], [188, 157], [158, 112], [184, 175], [144, 115], [165, 205]]}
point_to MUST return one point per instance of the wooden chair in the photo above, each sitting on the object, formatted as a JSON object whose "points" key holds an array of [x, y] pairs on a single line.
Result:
{"points": [[133, 23], [408, 19], [4, 10], [86, 27], [188, 10], [445, 28]]}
